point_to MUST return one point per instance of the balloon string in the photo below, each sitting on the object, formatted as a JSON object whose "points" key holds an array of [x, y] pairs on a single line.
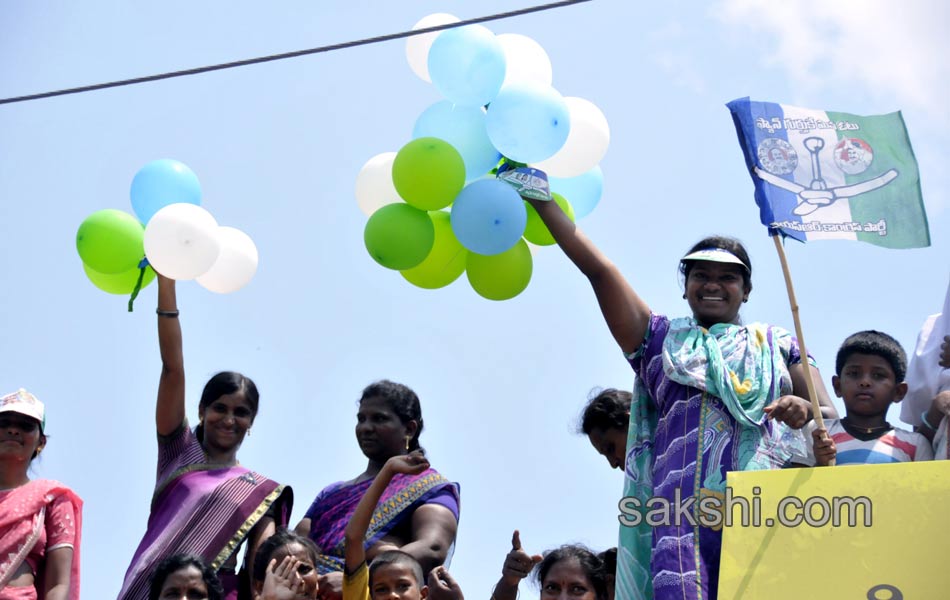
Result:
{"points": [[451, 260], [138, 284]]}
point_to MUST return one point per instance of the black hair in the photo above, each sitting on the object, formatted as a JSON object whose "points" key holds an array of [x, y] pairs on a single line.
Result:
{"points": [[590, 563], [608, 409], [397, 557], [176, 562], [609, 558], [44, 438], [222, 384], [401, 400], [283, 537], [877, 344], [721, 242]]}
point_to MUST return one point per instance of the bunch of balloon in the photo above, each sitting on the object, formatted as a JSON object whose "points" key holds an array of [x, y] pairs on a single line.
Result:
{"points": [[435, 208], [172, 234]]}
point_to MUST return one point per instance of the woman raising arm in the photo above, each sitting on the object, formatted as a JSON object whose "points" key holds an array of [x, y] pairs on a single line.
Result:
{"points": [[712, 396], [205, 502]]}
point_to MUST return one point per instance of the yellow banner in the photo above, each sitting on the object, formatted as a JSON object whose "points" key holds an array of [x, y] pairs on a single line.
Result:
{"points": [[878, 532]]}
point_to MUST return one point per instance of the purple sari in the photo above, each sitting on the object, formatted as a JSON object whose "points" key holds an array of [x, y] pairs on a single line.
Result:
{"points": [[201, 509], [333, 507]]}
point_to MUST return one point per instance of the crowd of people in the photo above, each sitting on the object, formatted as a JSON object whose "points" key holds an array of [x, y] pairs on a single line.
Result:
{"points": [[712, 395]]}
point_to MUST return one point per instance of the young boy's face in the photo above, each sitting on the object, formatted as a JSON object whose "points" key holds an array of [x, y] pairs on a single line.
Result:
{"points": [[396, 582], [868, 385]]}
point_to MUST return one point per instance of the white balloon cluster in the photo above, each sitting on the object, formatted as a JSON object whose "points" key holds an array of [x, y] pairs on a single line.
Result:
{"points": [[182, 240]]}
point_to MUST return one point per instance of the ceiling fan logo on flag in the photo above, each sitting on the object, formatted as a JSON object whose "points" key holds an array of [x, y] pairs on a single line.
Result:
{"points": [[852, 156]]}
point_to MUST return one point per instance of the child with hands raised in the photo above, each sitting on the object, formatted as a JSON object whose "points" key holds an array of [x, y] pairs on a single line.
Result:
{"points": [[392, 572]]}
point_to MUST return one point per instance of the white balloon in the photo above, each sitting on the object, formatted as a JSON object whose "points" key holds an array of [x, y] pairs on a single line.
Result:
{"points": [[526, 60], [374, 184], [586, 143], [181, 241], [236, 263], [417, 46]]}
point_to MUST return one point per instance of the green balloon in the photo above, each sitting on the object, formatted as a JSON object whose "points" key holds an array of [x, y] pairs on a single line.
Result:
{"points": [[500, 276], [399, 236], [428, 173], [445, 263], [119, 283], [110, 241], [536, 231]]}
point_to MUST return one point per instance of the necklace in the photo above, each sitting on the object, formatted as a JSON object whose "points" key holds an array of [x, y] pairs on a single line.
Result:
{"points": [[865, 430]]}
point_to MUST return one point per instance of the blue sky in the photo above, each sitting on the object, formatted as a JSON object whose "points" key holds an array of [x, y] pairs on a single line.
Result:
{"points": [[277, 148]]}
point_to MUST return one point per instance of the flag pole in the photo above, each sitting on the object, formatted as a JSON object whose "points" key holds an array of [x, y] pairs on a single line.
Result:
{"points": [[809, 379]]}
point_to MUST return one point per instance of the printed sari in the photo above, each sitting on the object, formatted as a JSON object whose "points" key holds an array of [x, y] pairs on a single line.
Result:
{"points": [[27, 520], [333, 507], [697, 413], [202, 509]]}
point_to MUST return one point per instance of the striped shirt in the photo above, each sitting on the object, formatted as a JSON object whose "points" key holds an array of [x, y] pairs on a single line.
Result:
{"points": [[896, 445]]}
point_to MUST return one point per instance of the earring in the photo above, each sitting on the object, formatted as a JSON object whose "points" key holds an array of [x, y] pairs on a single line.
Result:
{"points": [[744, 300], [248, 432], [407, 444], [684, 296]]}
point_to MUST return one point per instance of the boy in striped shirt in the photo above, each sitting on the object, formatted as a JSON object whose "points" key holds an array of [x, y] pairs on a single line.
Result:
{"points": [[869, 377]]}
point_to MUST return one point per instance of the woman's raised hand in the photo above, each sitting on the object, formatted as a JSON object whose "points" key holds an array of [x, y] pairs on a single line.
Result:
{"points": [[518, 563], [408, 464], [170, 407]]}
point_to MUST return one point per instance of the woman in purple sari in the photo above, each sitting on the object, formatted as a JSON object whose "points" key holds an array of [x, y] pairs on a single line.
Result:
{"points": [[712, 395], [417, 514], [205, 503]]}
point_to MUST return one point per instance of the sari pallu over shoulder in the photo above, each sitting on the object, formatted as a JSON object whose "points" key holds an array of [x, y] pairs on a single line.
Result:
{"points": [[205, 510], [22, 519], [334, 506]]}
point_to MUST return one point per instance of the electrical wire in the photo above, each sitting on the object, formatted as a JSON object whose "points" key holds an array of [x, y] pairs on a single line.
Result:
{"points": [[294, 54]]}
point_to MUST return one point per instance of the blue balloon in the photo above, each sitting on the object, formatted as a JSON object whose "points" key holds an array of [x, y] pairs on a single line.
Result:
{"points": [[583, 191], [464, 128], [467, 65], [528, 122], [488, 216], [160, 183]]}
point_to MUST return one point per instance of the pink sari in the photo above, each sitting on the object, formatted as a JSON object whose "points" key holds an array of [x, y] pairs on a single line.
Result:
{"points": [[23, 513]]}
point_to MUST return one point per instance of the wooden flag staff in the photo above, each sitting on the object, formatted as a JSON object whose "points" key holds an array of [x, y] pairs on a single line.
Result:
{"points": [[809, 377]]}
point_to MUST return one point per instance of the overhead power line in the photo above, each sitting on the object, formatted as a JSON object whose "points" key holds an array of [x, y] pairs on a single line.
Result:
{"points": [[294, 54]]}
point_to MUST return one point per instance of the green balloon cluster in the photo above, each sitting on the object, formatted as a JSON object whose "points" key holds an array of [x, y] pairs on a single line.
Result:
{"points": [[428, 173], [445, 262], [110, 241], [110, 244], [399, 236], [420, 240], [536, 231], [500, 276]]}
